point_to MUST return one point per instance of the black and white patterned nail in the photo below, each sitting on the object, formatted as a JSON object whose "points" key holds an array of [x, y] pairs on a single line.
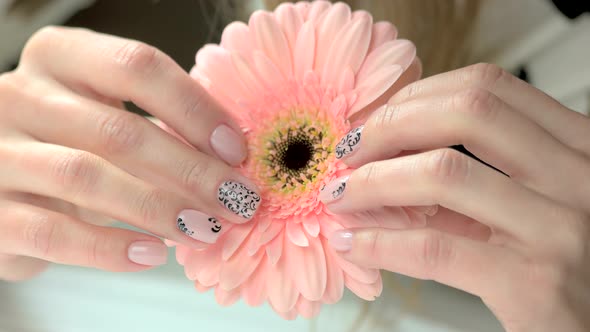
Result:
{"points": [[198, 225], [238, 198], [349, 143]]}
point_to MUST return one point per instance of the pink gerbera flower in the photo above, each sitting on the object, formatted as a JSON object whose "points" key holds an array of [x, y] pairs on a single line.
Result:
{"points": [[292, 78]]}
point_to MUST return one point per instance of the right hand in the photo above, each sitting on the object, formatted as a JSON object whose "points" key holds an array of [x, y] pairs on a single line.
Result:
{"points": [[71, 156]]}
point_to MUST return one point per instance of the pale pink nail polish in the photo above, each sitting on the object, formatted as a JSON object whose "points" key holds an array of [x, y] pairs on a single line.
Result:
{"points": [[148, 253], [199, 226], [228, 145], [333, 190], [341, 240]]}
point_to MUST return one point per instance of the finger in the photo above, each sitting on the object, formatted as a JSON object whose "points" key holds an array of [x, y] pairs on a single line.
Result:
{"points": [[128, 141], [454, 181], [90, 182], [51, 236], [559, 121], [429, 254], [129, 70], [19, 268], [487, 127]]}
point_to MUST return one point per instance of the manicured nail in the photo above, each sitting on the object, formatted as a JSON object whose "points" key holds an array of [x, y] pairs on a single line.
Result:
{"points": [[148, 253], [238, 198], [333, 190], [198, 225], [341, 240], [228, 145], [349, 143]]}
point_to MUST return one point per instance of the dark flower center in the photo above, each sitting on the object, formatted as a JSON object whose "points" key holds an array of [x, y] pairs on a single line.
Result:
{"points": [[295, 153]]}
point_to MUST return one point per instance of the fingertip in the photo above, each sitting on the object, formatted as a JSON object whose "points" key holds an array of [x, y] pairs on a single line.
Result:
{"points": [[148, 253], [341, 240]]}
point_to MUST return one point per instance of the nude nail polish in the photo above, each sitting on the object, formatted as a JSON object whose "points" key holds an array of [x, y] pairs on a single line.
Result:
{"points": [[238, 198], [149, 253], [349, 143], [199, 226], [333, 190], [228, 145], [341, 240]]}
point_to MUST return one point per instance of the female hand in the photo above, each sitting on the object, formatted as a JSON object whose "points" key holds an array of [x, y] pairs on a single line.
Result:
{"points": [[520, 242], [71, 156]]}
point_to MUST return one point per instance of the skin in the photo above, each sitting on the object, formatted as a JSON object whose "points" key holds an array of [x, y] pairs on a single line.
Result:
{"points": [[521, 241], [73, 159]]}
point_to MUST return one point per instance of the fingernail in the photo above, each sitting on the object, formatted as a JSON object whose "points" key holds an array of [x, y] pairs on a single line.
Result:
{"points": [[341, 240], [333, 190], [238, 198], [199, 226], [349, 143], [148, 253], [228, 145]]}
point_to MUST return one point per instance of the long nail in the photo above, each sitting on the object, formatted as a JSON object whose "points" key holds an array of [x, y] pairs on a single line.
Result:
{"points": [[228, 145], [341, 240], [239, 199], [333, 190], [199, 226], [349, 143], [148, 253]]}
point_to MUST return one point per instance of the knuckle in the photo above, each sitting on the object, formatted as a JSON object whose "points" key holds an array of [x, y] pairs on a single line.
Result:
{"points": [[150, 204], [43, 38], [477, 102], [553, 279], [76, 171], [195, 102], [371, 174], [40, 234], [411, 91], [138, 58], [486, 74], [195, 174], [120, 133], [447, 167], [434, 251], [385, 118], [94, 245]]}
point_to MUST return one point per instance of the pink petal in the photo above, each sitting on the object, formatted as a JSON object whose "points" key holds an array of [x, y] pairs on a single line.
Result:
{"points": [[328, 225], [382, 32], [268, 73], [363, 275], [236, 38], [254, 291], [234, 238], [416, 218], [274, 249], [335, 276], [295, 234], [308, 269], [269, 37], [339, 106], [317, 9], [193, 264], [282, 293], [304, 50], [374, 86], [211, 266], [311, 226], [264, 223], [275, 228], [290, 20], [289, 315], [346, 81], [239, 267], [226, 298], [401, 52], [365, 291], [348, 50], [181, 254], [308, 309], [246, 75], [336, 18], [303, 8], [200, 288]]}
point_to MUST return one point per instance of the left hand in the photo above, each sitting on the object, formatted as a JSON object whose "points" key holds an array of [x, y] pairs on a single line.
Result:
{"points": [[520, 242]]}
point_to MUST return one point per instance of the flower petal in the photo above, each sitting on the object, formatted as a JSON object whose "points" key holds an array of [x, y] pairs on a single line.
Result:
{"points": [[382, 32], [348, 50], [269, 37], [247, 75], [296, 235], [401, 52], [200, 288], [210, 265], [311, 225], [365, 291], [336, 18], [328, 225], [264, 223], [361, 274], [290, 20], [234, 238], [268, 73], [304, 51], [181, 253], [317, 9], [302, 8], [374, 86], [289, 315], [236, 38], [239, 267], [226, 298], [274, 249], [254, 290], [308, 268], [346, 81], [308, 309], [335, 286], [282, 293], [273, 230]]}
